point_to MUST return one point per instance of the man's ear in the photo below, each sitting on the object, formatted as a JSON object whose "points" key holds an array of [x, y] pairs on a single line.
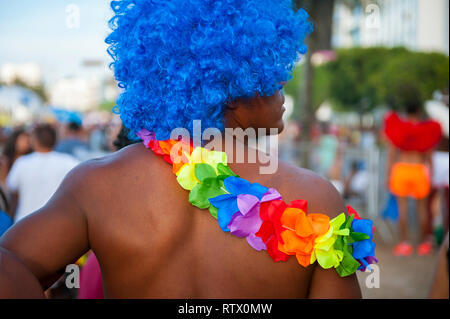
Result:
{"points": [[232, 105]]}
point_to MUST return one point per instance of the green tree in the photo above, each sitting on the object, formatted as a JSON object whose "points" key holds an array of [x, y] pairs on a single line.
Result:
{"points": [[362, 79], [402, 73], [320, 92], [321, 12], [39, 89], [351, 77], [107, 106]]}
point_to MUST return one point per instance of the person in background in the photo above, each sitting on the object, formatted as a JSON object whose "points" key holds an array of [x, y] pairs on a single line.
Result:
{"points": [[17, 144], [35, 177], [411, 141], [5, 218], [348, 189], [72, 141], [327, 149], [437, 204], [97, 141], [439, 195]]}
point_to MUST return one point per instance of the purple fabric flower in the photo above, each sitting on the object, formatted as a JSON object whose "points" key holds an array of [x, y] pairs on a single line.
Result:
{"points": [[227, 204], [238, 211], [146, 136], [246, 222]]}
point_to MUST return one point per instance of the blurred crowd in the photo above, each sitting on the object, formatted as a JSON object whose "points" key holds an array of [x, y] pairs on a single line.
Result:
{"points": [[355, 158], [34, 159], [336, 152]]}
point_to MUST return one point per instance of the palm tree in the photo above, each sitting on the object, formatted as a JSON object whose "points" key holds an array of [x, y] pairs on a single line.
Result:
{"points": [[321, 12]]}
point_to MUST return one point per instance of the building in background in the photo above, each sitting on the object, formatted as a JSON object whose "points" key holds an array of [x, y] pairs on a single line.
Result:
{"points": [[419, 25], [19, 105], [82, 94], [29, 73], [87, 91], [78, 94]]}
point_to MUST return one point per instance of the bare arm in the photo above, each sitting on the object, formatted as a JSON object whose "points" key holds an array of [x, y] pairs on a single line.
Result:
{"points": [[439, 287], [12, 269], [326, 283], [322, 198], [45, 242], [429, 163]]}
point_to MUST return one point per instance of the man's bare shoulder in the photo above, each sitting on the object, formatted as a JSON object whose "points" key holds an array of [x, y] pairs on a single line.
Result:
{"points": [[125, 160], [298, 183], [133, 164]]}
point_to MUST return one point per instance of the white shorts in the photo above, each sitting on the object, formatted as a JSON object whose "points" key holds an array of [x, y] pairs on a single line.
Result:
{"points": [[440, 169]]}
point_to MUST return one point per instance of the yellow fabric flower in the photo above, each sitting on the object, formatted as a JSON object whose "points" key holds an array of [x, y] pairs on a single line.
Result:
{"points": [[186, 175], [324, 251]]}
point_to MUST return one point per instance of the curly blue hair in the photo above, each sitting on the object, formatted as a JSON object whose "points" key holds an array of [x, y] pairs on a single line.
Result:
{"points": [[183, 60]]}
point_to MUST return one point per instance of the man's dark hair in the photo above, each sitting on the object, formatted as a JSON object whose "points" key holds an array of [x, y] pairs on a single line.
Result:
{"points": [[122, 140], [74, 126], [413, 106], [411, 99], [45, 134], [9, 151]]}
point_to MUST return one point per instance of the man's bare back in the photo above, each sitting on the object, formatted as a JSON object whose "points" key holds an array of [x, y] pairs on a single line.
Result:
{"points": [[151, 243]]}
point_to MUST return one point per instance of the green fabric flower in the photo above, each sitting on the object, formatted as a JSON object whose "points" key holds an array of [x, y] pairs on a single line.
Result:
{"points": [[210, 185]]}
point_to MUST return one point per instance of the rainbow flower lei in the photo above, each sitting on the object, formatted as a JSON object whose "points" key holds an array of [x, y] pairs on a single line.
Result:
{"points": [[257, 213]]}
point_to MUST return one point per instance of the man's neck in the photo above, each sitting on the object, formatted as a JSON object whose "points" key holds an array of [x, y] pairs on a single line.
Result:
{"points": [[241, 149], [414, 117], [43, 150]]}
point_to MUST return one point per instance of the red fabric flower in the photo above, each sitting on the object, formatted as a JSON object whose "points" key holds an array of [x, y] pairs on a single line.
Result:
{"points": [[271, 228], [354, 213]]}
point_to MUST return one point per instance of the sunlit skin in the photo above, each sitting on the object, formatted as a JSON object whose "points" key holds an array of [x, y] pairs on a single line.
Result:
{"points": [[152, 243]]}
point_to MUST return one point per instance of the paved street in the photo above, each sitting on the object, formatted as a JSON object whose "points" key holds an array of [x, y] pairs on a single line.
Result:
{"points": [[400, 277]]}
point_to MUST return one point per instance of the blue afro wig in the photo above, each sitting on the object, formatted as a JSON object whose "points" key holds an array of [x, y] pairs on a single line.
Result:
{"points": [[183, 60]]}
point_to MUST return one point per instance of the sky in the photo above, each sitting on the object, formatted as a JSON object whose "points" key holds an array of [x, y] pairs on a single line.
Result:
{"points": [[40, 31]]}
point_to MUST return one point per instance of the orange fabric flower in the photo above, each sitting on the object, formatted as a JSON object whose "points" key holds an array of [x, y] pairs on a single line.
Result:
{"points": [[301, 230], [167, 147]]}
